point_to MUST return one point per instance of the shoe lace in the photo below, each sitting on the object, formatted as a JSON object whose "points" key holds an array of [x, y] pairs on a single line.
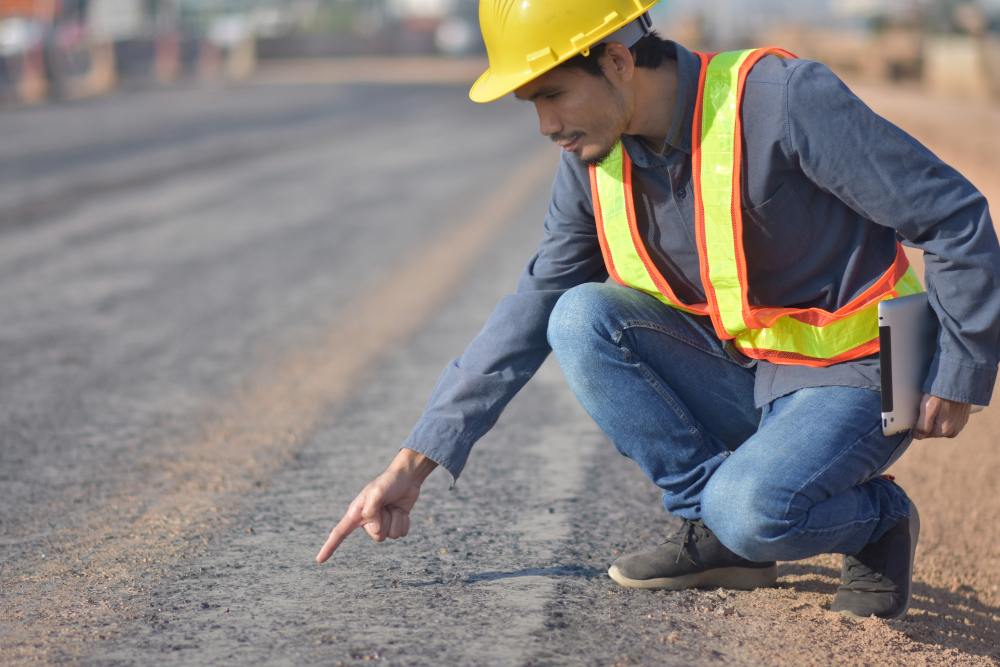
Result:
{"points": [[858, 570], [690, 531]]}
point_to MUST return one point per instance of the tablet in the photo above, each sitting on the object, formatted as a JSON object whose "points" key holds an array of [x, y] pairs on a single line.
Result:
{"points": [[907, 330]]}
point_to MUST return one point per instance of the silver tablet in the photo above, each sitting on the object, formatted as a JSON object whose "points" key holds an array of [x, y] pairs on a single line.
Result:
{"points": [[908, 330]]}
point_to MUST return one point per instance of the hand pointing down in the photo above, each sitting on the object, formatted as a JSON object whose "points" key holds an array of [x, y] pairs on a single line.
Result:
{"points": [[383, 507]]}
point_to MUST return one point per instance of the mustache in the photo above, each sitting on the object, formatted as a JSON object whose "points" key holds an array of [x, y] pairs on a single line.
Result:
{"points": [[567, 138]]}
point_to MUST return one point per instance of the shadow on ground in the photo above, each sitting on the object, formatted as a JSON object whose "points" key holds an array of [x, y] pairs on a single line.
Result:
{"points": [[557, 571]]}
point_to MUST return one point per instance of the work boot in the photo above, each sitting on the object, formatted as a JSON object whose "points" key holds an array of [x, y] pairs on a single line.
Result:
{"points": [[693, 557], [877, 580]]}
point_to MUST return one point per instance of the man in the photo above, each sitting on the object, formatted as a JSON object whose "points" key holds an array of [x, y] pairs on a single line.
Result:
{"points": [[747, 208]]}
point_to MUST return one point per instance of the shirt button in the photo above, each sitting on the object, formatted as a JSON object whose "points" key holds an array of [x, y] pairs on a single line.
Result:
{"points": [[682, 193]]}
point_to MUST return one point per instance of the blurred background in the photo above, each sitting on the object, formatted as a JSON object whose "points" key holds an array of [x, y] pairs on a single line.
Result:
{"points": [[67, 49]]}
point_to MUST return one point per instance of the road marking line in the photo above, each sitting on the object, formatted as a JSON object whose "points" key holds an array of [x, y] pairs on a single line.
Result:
{"points": [[195, 488]]}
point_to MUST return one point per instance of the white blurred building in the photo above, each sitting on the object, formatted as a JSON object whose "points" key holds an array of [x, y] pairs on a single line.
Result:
{"points": [[420, 9], [111, 20]]}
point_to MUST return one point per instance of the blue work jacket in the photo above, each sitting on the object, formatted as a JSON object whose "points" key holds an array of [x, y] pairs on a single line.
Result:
{"points": [[828, 187]]}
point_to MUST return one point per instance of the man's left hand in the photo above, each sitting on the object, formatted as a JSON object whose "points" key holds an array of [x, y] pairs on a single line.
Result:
{"points": [[940, 418]]}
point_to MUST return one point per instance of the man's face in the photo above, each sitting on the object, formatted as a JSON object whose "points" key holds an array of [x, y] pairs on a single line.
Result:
{"points": [[584, 114]]}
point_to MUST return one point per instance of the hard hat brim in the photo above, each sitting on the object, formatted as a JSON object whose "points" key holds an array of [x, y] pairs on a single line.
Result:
{"points": [[491, 87]]}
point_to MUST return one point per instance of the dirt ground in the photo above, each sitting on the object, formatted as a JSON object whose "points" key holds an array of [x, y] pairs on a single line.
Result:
{"points": [[200, 553]]}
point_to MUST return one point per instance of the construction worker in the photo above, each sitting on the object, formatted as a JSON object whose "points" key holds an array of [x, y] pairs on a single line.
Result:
{"points": [[747, 208]]}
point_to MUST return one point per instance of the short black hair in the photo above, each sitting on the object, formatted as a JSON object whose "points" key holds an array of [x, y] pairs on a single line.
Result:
{"points": [[649, 52]]}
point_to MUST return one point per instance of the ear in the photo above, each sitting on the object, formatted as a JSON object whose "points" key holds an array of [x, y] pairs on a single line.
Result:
{"points": [[618, 62]]}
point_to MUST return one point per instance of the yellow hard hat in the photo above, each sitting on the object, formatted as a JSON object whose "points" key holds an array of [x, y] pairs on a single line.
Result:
{"points": [[526, 38]]}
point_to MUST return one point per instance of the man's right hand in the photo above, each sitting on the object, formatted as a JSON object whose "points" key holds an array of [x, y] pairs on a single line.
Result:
{"points": [[383, 507]]}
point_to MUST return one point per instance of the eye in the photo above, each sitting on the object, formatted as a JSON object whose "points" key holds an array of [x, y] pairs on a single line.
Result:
{"points": [[552, 96]]}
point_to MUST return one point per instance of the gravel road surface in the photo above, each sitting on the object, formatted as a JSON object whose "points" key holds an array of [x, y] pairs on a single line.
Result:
{"points": [[224, 311]]}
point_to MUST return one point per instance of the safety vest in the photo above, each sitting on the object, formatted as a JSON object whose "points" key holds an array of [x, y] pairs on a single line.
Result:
{"points": [[809, 336]]}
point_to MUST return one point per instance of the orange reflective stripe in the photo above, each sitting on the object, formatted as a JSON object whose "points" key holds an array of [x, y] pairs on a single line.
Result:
{"points": [[785, 335], [736, 205], [640, 247], [847, 336], [757, 317], [609, 260], [699, 201], [731, 319], [886, 285], [800, 336], [795, 359], [628, 262], [818, 317]]}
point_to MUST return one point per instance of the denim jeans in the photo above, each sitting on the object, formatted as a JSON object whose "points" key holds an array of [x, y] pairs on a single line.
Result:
{"points": [[792, 480]]}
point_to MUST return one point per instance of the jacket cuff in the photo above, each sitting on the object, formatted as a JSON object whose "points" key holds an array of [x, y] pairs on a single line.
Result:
{"points": [[961, 380], [440, 443]]}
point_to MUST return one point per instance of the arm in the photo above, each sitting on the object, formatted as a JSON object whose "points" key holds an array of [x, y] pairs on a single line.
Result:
{"points": [[892, 180], [475, 388]]}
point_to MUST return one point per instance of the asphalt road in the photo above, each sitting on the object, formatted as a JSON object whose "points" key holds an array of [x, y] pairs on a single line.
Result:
{"points": [[224, 311]]}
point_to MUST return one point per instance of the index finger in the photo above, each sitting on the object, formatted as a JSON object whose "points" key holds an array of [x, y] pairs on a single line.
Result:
{"points": [[351, 522]]}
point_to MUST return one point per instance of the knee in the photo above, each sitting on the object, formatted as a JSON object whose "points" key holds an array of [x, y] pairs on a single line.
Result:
{"points": [[577, 319], [749, 516], [581, 330]]}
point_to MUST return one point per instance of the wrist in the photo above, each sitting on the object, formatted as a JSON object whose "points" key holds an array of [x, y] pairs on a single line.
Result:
{"points": [[413, 464]]}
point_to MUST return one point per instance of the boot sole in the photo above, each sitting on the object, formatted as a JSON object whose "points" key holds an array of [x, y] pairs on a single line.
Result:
{"points": [[741, 578], [914, 536]]}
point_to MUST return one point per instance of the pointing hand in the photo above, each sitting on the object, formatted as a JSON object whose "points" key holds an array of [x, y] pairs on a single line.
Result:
{"points": [[383, 507]]}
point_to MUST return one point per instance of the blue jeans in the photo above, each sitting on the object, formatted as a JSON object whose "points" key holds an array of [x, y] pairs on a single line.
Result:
{"points": [[793, 480]]}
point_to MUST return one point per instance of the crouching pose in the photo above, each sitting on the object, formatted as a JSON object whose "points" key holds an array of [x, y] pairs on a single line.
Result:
{"points": [[748, 210]]}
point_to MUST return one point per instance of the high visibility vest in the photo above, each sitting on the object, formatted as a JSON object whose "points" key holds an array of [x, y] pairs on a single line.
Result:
{"points": [[804, 336]]}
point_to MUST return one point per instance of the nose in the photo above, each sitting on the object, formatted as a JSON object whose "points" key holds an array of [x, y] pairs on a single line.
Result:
{"points": [[548, 123]]}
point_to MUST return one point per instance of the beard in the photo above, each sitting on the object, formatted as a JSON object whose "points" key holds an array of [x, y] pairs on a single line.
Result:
{"points": [[608, 128], [599, 155]]}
